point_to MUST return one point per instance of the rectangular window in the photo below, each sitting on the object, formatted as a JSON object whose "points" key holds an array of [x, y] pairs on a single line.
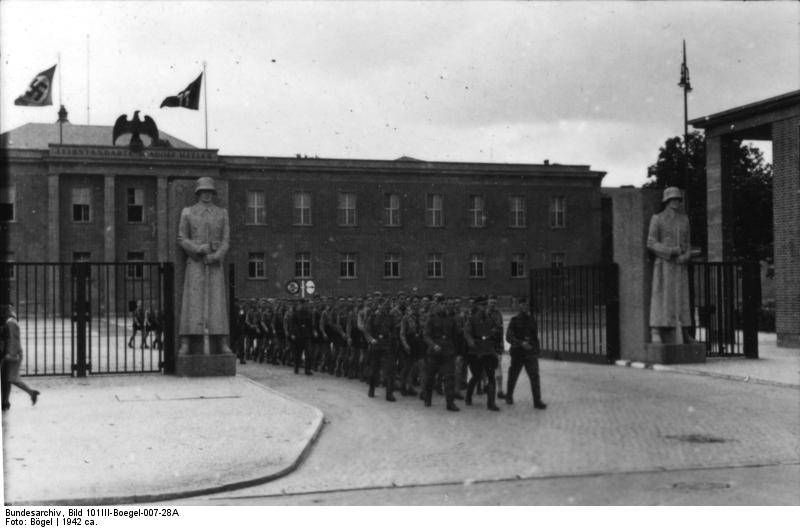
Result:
{"points": [[557, 261], [391, 266], [135, 202], [302, 265], [302, 208], [347, 209], [434, 216], [9, 265], [135, 271], [255, 208], [477, 211], [519, 263], [391, 208], [347, 266], [435, 266], [477, 266], [8, 204], [516, 206], [81, 204], [256, 267], [81, 256], [558, 211]]}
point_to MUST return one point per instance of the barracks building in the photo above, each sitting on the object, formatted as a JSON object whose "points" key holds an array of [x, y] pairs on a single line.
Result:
{"points": [[351, 226]]}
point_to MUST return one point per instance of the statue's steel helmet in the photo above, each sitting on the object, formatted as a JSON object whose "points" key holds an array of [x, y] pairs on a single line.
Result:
{"points": [[205, 184], [671, 193]]}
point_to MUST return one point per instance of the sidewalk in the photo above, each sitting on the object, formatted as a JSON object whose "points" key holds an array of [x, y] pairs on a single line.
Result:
{"points": [[142, 438], [774, 366]]}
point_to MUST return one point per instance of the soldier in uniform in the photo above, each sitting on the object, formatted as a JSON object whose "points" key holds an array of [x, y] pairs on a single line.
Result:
{"points": [[479, 334], [440, 335], [523, 337], [413, 348], [301, 332], [380, 334]]}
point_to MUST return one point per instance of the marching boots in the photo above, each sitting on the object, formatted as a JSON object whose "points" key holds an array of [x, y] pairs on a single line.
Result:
{"points": [[451, 406], [470, 389], [371, 392], [390, 389], [427, 396], [490, 395]]}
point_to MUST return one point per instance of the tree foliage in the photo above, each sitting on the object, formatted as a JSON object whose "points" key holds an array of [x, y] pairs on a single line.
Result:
{"points": [[750, 179]]}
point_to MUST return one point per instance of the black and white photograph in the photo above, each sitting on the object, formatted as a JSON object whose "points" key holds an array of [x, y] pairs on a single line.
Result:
{"points": [[400, 253]]}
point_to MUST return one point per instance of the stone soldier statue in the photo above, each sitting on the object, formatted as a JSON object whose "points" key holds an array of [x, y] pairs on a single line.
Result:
{"points": [[669, 241], [204, 235]]}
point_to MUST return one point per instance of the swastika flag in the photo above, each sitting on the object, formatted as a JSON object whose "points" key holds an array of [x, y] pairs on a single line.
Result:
{"points": [[188, 98], [40, 91]]}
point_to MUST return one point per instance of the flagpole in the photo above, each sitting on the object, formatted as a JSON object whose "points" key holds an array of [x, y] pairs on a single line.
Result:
{"points": [[88, 63], [60, 105], [205, 98]]}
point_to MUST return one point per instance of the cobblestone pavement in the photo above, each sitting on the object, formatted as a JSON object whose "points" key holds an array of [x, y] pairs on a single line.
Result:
{"points": [[600, 419]]}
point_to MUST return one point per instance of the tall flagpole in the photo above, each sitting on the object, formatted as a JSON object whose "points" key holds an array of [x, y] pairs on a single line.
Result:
{"points": [[88, 62], [60, 105], [205, 98]]}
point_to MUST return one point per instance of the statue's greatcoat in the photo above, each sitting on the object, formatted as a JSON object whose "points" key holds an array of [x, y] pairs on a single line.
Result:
{"points": [[203, 223], [669, 301]]}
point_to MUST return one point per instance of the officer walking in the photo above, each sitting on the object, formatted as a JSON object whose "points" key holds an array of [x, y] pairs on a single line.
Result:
{"points": [[524, 340]]}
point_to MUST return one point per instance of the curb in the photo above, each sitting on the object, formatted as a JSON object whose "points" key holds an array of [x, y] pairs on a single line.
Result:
{"points": [[718, 375], [230, 486]]}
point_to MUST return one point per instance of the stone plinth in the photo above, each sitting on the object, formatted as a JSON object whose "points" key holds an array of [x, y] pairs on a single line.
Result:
{"points": [[672, 354], [199, 365]]}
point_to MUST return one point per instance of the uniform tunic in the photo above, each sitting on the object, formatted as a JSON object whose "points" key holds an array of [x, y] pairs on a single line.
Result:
{"points": [[204, 224], [669, 301]]}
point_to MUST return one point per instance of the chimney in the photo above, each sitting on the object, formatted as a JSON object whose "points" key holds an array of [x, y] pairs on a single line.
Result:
{"points": [[546, 162]]}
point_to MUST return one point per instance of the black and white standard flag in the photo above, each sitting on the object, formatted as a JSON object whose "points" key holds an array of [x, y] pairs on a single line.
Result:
{"points": [[40, 91], [188, 98]]}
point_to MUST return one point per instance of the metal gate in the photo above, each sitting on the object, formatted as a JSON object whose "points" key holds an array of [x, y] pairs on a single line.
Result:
{"points": [[78, 318], [725, 299], [577, 312]]}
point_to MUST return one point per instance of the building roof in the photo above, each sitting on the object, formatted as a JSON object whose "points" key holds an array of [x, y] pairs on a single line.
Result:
{"points": [[741, 112], [39, 135]]}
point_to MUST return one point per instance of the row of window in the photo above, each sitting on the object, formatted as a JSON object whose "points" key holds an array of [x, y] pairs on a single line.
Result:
{"points": [[348, 264], [301, 215], [434, 265], [434, 210]]}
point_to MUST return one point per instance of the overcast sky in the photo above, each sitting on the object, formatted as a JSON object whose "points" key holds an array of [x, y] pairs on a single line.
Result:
{"points": [[508, 82]]}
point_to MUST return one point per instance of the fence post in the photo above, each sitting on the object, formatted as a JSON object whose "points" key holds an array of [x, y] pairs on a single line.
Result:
{"points": [[80, 273], [611, 280], [167, 270], [751, 303]]}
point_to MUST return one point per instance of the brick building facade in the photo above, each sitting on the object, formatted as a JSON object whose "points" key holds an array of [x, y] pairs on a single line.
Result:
{"points": [[350, 225]]}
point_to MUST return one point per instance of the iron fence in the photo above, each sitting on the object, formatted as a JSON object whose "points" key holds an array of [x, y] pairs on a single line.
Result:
{"points": [[577, 312], [77, 318]]}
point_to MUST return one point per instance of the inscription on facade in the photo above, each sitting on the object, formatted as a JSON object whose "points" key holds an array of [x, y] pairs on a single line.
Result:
{"points": [[77, 151]]}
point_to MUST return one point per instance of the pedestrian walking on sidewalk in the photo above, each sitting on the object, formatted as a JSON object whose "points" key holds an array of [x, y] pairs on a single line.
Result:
{"points": [[523, 337], [12, 357]]}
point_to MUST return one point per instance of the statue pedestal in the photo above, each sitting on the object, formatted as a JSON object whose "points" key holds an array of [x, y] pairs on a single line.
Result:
{"points": [[673, 354], [196, 364]]}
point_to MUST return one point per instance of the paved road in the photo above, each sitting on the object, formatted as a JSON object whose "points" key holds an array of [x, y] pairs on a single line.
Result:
{"points": [[661, 437]]}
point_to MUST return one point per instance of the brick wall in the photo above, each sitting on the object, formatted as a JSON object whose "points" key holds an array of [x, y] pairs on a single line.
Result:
{"points": [[786, 210]]}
